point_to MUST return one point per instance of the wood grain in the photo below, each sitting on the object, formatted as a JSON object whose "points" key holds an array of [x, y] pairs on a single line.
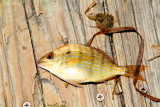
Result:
{"points": [[31, 28]]}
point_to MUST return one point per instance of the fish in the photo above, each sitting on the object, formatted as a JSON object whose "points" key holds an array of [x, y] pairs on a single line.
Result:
{"points": [[77, 64]]}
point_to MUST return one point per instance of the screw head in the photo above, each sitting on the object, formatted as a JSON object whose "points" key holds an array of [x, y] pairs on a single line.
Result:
{"points": [[143, 89], [100, 97], [26, 104]]}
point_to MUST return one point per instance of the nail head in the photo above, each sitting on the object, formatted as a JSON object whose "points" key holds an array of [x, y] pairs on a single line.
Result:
{"points": [[100, 97]]}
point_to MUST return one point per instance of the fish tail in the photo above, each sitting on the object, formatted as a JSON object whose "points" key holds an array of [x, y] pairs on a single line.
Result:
{"points": [[132, 68]]}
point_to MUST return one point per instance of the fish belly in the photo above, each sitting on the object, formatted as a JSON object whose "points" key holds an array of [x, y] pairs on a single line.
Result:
{"points": [[82, 70], [82, 75]]}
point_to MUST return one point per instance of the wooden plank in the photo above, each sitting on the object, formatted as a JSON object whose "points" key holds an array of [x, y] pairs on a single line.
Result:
{"points": [[17, 65], [60, 21]]}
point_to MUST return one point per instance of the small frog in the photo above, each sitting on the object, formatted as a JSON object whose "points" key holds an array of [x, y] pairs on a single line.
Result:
{"points": [[103, 21]]}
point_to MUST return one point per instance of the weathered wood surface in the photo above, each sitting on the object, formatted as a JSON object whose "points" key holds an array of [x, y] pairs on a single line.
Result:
{"points": [[31, 28]]}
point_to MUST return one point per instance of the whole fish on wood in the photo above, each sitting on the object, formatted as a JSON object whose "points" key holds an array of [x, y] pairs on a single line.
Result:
{"points": [[76, 64]]}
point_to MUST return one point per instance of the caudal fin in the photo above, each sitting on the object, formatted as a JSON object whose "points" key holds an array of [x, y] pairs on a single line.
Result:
{"points": [[132, 68]]}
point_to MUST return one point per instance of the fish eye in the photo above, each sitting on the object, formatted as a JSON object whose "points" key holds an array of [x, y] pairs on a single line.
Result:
{"points": [[50, 56]]}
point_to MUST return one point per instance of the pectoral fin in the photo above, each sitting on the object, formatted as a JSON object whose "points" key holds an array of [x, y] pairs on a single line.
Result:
{"points": [[75, 84], [66, 84]]}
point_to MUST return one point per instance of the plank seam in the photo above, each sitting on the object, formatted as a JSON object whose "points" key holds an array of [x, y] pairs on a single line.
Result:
{"points": [[37, 76]]}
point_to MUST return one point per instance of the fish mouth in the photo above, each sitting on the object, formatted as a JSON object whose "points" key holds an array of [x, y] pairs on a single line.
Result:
{"points": [[40, 63]]}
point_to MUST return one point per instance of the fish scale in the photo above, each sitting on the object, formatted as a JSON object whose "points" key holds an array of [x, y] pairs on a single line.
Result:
{"points": [[76, 63]]}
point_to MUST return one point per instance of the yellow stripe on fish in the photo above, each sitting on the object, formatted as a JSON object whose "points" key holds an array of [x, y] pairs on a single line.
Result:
{"points": [[81, 48], [76, 63], [86, 52], [83, 57]]}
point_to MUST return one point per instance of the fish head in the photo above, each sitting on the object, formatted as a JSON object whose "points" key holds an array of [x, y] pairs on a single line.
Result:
{"points": [[47, 62]]}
